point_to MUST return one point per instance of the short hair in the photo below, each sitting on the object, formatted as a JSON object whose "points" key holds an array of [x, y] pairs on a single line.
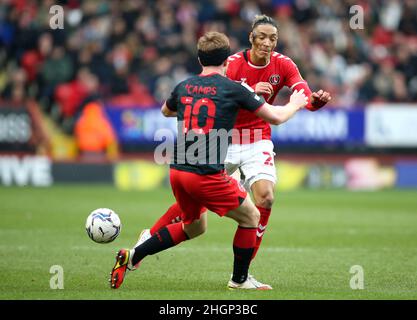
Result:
{"points": [[213, 48], [213, 40], [263, 19]]}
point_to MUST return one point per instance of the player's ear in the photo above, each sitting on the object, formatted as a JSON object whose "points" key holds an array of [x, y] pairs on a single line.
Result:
{"points": [[251, 38], [224, 66]]}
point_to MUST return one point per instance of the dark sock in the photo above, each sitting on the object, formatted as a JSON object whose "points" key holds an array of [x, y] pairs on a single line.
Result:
{"points": [[243, 248], [163, 239]]}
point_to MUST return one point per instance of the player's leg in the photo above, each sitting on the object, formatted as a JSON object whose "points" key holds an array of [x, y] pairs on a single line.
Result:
{"points": [[263, 195], [193, 220], [260, 177], [225, 196], [172, 215], [167, 237], [197, 227], [247, 217], [163, 239]]}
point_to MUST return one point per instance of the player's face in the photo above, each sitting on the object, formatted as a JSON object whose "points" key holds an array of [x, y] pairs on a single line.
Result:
{"points": [[264, 39]]}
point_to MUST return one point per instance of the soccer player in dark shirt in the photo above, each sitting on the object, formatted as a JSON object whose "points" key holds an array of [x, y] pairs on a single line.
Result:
{"points": [[206, 107]]}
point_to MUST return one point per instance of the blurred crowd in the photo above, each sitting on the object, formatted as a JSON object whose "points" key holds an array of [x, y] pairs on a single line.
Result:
{"points": [[134, 52]]}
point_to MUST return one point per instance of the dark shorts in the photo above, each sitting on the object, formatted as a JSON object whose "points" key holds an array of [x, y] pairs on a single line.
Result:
{"points": [[218, 192]]}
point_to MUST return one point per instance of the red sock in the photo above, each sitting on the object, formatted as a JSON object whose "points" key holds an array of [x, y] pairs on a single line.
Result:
{"points": [[177, 233], [245, 238], [172, 215], [243, 248], [263, 221]]}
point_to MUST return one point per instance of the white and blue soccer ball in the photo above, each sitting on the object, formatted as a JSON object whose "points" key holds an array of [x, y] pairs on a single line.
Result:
{"points": [[103, 225]]}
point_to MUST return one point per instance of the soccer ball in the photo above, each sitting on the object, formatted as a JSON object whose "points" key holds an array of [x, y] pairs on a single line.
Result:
{"points": [[103, 225]]}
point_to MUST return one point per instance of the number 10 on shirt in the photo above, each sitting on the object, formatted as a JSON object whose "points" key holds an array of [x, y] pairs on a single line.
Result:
{"points": [[192, 113]]}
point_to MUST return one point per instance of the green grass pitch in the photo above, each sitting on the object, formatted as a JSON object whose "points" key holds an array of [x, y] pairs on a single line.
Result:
{"points": [[313, 240]]}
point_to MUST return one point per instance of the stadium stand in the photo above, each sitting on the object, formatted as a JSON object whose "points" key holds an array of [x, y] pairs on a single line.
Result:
{"points": [[132, 53]]}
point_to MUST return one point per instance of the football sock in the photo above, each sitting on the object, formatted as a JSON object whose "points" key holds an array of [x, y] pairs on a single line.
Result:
{"points": [[263, 221], [165, 238], [172, 215], [243, 247]]}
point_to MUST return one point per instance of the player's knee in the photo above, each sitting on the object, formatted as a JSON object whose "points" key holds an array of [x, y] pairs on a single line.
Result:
{"points": [[265, 200]]}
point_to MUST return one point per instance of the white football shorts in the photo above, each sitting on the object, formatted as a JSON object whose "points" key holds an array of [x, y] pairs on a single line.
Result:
{"points": [[255, 162]]}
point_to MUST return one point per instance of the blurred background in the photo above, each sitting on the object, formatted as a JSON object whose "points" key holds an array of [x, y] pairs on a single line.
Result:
{"points": [[81, 103]]}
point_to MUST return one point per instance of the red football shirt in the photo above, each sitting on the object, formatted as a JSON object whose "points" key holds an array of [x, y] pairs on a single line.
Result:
{"points": [[280, 71]]}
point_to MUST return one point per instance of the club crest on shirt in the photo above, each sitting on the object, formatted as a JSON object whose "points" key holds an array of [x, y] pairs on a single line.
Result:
{"points": [[274, 79]]}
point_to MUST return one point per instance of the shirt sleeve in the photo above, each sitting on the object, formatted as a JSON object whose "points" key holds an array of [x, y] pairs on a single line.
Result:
{"points": [[172, 101], [247, 98], [292, 74], [295, 81]]}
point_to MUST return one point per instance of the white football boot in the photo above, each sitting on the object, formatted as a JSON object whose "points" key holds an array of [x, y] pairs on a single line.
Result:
{"points": [[250, 284], [144, 235]]}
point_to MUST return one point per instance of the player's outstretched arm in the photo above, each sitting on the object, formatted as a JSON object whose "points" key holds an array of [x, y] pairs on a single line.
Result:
{"points": [[167, 112], [280, 114]]}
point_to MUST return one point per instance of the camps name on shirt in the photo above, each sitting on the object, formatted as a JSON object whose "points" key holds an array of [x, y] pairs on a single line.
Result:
{"points": [[200, 90]]}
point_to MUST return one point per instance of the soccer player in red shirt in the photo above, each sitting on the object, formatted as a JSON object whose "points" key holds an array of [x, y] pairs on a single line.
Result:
{"points": [[252, 151], [206, 104]]}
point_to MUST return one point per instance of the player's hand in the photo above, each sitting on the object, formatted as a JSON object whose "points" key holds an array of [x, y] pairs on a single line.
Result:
{"points": [[299, 99], [319, 99], [264, 88]]}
